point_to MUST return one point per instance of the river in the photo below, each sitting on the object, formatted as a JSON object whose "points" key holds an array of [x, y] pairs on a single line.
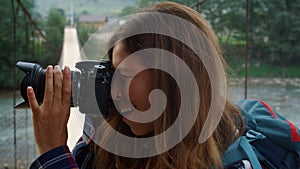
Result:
{"points": [[285, 99]]}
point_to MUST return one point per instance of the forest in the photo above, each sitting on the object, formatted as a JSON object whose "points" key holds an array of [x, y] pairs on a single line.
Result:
{"points": [[36, 40], [274, 31]]}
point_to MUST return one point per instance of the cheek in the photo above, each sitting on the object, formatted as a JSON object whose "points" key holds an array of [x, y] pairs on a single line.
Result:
{"points": [[139, 90]]}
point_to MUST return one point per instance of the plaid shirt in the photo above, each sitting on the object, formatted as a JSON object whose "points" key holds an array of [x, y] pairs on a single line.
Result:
{"points": [[83, 155], [61, 158], [58, 158]]}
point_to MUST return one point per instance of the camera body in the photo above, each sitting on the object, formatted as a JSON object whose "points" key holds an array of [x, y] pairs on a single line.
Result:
{"points": [[90, 86]]}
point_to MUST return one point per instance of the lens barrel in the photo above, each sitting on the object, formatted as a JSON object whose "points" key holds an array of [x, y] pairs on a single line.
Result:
{"points": [[36, 77]]}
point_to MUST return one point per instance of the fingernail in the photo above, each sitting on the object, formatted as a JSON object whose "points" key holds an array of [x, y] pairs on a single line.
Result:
{"points": [[29, 89], [57, 67], [50, 69], [67, 69]]}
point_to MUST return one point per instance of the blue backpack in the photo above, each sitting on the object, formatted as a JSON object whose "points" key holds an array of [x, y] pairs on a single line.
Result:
{"points": [[269, 139]]}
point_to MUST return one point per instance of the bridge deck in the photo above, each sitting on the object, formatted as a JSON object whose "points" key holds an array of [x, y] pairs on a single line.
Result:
{"points": [[71, 55]]}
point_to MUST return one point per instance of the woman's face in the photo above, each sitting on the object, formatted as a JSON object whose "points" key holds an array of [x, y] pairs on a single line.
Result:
{"points": [[139, 88]]}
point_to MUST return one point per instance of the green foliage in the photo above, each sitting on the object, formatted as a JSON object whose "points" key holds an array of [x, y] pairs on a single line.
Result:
{"points": [[144, 3], [257, 68], [55, 32], [282, 31], [274, 30], [128, 10], [109, 8], [29, 45], [85, 33], [7, 49]]}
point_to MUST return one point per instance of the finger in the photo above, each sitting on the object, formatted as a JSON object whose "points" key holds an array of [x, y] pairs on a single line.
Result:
{"points": [[32, 101], [48, 96], [66, 90], [57, 83]]}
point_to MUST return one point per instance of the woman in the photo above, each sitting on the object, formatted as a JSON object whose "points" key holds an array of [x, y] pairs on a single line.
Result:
{"points": [[182, 41]]}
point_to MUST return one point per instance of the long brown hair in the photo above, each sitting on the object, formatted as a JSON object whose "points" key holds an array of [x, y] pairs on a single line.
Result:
{"points": [[189, 153]]}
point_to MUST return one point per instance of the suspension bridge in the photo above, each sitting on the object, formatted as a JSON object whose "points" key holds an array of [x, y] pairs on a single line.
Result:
{"points": [[71, 55]]}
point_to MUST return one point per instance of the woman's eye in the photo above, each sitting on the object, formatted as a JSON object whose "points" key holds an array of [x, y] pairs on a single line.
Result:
{"points": [[125, 74]]}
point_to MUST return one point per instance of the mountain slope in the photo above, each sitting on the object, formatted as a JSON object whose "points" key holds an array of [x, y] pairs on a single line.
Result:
{"points": [[101, 7]]}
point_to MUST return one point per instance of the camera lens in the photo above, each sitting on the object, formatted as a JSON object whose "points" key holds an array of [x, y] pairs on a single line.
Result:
{"points": [[35, 77]]}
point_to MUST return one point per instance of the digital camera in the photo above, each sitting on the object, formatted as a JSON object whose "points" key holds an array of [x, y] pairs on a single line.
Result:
{"points": [[90, 86]]}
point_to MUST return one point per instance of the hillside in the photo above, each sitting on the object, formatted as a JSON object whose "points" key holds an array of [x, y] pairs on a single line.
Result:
{"points": [[101, 7]]}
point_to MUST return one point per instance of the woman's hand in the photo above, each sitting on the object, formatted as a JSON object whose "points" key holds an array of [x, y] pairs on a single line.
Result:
{"points": [[50, 118]]}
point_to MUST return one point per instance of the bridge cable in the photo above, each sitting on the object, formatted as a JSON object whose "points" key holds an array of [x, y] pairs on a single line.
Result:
{"points": [[197, 4], [14, 78], [31, 20], [247, 52]]}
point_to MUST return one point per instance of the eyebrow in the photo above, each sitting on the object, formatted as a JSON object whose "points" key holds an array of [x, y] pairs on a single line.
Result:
{"points": [[123, 70]]}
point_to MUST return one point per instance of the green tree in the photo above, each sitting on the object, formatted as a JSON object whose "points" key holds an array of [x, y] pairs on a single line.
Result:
{"points": [[6, 46], [55, 24], [143, 3], [274, 27], [128, 10], [277, 40], [23, 29]]}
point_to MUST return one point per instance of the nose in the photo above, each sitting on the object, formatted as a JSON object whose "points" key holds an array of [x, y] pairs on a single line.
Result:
{"points": [[116, 92]]}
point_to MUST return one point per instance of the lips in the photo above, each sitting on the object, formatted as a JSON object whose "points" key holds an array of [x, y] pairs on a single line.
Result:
{"points": [[124, 107], [126, 110]]}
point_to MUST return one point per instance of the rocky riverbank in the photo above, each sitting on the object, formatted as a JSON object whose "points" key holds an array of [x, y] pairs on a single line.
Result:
{"points": [[266, 81]]}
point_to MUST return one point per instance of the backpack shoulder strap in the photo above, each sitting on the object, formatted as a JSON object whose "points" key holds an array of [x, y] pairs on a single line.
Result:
{"points": [[239, 150], [273, 139]]}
